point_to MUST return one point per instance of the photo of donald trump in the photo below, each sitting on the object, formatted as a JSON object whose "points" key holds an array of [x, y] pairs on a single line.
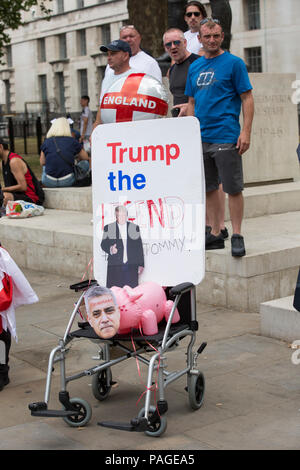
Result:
{"points": [[124, 248]]}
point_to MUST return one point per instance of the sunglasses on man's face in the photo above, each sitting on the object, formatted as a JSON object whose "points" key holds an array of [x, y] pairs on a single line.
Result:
{"points": [[195, 13], [169, 44]]}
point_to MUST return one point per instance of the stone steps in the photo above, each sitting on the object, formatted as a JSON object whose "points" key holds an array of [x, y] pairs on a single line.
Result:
{"points": [[259, 200], [61, 242], [268, 271], [69, 199], [280, 320]]}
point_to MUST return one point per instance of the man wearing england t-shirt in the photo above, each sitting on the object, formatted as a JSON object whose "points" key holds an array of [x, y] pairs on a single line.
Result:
{"points": [[118, 55]]}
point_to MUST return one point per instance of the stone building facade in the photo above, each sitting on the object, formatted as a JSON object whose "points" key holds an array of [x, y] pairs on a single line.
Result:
{"points": [[59, 60], [265, 34]]}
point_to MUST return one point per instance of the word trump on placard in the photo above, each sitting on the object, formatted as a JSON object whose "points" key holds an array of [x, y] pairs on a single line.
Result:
{"points": [[147, 153]]}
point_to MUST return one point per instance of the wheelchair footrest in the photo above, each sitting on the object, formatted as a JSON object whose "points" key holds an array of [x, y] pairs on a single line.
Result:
{"points": [[40, 409], [54, 413], [136, 425]]}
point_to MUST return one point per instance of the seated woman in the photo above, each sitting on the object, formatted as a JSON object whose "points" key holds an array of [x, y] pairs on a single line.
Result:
{"points": [[58, 153]]}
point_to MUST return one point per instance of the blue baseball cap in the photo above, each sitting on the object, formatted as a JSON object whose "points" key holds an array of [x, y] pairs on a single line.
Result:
{"points": [[117, 45]]}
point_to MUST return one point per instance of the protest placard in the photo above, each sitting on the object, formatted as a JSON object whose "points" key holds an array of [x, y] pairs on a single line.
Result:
{"points": [[155, 170]]}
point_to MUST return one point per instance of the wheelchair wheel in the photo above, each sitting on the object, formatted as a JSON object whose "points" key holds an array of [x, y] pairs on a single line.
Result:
{"points": [[85, 413], [100, 388], [196, 389], [155, 429]]}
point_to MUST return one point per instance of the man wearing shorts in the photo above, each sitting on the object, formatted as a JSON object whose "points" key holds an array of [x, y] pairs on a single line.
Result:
{"points": [[18, 180], [218, 87]]}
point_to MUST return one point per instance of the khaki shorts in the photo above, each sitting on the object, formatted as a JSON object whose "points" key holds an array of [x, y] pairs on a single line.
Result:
{"points": [[223, 164]]}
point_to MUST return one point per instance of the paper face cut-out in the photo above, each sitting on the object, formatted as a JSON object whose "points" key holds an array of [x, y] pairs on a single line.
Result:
{"points": [[103, 313]]}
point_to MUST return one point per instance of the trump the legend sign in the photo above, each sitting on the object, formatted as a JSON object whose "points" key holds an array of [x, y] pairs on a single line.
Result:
{"points": [[149, 200]]}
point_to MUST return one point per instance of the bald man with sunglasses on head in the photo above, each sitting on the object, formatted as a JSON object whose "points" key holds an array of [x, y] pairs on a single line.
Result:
{"points": [[139, 60]]}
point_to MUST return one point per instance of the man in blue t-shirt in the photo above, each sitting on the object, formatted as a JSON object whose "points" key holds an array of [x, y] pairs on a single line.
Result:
{"points": [[218, 86]]}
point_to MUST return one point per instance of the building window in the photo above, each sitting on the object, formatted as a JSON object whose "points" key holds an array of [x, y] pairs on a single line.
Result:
{"points": [[253, 59], [61, 91], [81, 42], [80, 4], [9, 61], [43, 87], [101, 73], [105, 34], [253, 12], [62, 46], [83, 82], [60, 6], [7, 96], [43, 91], [100, 77], [41, 44]]}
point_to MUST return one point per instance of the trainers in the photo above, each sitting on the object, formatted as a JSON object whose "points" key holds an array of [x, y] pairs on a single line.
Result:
{"points": [[4, 380], [224, 233], [214, 243], [237, 245]]}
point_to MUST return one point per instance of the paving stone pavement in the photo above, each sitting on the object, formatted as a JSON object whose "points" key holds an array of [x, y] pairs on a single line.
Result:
{"points": [[252, 398]]}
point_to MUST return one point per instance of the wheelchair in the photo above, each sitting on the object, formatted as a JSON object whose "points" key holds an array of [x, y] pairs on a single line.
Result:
{"points": [[151, 419]]}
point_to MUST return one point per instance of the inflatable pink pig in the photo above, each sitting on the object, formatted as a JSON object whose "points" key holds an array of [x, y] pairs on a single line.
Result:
{"points": [[145, 305]]}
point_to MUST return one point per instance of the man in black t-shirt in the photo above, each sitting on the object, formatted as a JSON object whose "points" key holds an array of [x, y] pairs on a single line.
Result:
{"points": [[175, 45]]}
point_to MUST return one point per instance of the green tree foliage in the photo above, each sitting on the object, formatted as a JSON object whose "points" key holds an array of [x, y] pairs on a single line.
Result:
{"points": [[11, 17]]}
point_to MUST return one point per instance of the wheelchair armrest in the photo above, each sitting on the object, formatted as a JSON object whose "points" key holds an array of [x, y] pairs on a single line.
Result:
{"points": [[83, 285], [181, 288]]}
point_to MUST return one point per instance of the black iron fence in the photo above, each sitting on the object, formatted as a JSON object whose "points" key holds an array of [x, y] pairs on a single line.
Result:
{"points": [[23, 130], [25, 134]]}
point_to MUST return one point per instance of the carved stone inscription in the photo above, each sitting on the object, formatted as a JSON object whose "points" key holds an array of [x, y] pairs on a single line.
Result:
{"points": [[274, 139]]}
